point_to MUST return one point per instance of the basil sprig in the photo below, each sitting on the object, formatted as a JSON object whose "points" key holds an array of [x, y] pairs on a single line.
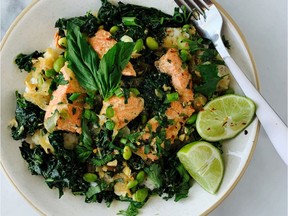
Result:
{"points": [[111, 67], [83, 60], [92, 73]]}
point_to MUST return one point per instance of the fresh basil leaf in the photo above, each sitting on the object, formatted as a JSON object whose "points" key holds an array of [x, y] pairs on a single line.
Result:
{"points": [[82, 59], [111, 67], [84, 62]]}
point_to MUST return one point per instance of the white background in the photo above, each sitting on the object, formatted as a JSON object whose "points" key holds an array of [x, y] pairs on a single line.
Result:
{"points": [[263, 188]]}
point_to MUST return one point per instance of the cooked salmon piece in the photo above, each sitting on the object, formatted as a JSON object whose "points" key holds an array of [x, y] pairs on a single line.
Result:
{"points": [[101, 42], [179, 111], [151, 126], [123, 112], [151, 156], [69, 118], [171, 64]]}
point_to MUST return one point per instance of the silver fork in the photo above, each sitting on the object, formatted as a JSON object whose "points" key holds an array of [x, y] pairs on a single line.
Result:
{"points": [[208, 22]]}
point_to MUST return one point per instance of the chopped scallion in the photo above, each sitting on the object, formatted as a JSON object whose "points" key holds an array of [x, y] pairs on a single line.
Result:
{"points": [[74, 96], [171, 97], [129, 21]]}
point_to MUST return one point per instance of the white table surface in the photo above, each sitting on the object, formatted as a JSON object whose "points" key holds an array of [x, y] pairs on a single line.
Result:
{"points": [[263, 188]]}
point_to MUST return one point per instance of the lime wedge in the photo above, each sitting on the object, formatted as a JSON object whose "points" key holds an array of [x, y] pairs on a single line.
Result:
{"points": [[204, 163], [225, 117]]}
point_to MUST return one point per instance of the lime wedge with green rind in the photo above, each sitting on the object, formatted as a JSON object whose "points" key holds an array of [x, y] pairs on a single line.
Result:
{"points": [[204, 163], [225, 117]]}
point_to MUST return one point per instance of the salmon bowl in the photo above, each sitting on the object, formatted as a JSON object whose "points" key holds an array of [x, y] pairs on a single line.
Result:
{"points": [[38, 34]]}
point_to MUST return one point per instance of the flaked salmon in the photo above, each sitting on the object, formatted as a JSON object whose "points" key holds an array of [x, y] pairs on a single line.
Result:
{"points": [[171, 64], [123, 112], [180, 110], [102, 42], [70, 112]]}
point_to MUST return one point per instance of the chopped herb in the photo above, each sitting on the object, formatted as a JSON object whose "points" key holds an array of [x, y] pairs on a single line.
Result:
{"points": [[154, 174], [209, 74]]}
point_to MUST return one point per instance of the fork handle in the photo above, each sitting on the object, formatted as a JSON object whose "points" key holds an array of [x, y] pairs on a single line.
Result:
{"points": [[272, 124]]}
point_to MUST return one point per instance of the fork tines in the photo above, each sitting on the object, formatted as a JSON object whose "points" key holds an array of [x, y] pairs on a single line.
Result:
{"points": [[195, 5]]}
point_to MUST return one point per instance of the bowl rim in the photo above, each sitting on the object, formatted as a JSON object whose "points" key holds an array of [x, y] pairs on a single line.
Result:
{"points": [[257, 84]]}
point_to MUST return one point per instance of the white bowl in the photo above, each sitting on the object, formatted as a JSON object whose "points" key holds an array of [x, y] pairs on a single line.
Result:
{"points": [[34, 30]]}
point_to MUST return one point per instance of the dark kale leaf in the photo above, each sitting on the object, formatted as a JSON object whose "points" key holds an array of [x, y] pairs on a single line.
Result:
{"points": [[24, 61], [176, 180], [109, 14], [84, 148], [182, 189], [28, 116], [61, 169], [150, 21], [88, 24], [101, 191], [154, 80]]}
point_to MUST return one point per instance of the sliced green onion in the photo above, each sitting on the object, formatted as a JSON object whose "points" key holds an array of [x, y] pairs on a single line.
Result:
{"points": [[129, 21], [192, 119], [186, 28], [171, 97], [135, 91], [185, 55], [74, 96], [119, 92]]}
